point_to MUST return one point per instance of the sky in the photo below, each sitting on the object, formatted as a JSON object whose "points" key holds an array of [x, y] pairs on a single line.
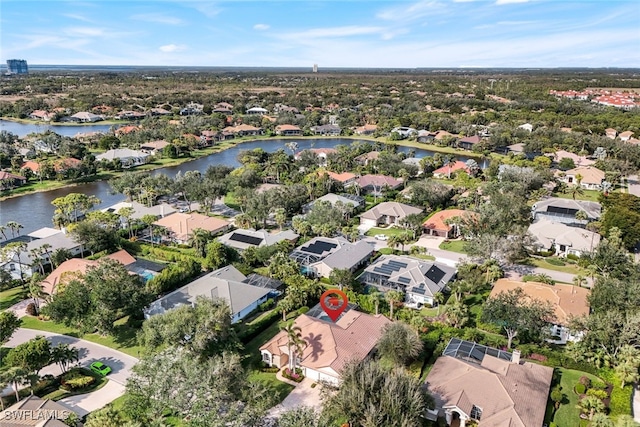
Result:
{"points": [[297, 33]]}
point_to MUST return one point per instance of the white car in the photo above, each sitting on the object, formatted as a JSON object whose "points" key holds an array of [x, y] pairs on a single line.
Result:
{"points": [[381, 237]]}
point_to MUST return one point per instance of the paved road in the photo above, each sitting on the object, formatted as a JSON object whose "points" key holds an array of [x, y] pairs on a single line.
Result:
{"points": [[119, 362], [633, 185]]}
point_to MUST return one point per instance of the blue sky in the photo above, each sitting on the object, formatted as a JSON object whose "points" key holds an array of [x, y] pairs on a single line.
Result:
{"points": [[357, 33]]}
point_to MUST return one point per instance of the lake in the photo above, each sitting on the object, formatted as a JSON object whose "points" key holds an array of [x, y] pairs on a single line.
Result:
{"points": [[23, 129]]}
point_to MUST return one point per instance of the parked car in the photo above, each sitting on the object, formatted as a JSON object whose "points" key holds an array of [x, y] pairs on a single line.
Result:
{"points": [[381, 237], [100, 368]]}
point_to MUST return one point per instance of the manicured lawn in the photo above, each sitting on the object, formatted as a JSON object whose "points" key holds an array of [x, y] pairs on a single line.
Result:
{"points": [[568, 415], [389, 231], [12, 296], [124, 338], [567, 268], [279, 389], [231, 201], [590, 195], [453, 246]]}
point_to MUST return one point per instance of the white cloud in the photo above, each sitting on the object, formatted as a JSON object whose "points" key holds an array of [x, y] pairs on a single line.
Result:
{"points": [[84, 32], [501, 2], [158, 18], [208, 9], [332, 32], [172, 48], [261, 27], [77, 17], [413, 11]]}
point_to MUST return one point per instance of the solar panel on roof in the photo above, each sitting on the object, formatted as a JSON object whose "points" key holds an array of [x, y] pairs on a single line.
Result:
{"points": [[435, 274], [243, 238], [404, 280], [318, 247], [416, 290], [562, 211]]}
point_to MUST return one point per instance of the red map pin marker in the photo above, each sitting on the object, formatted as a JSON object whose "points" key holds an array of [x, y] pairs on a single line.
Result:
{"points": [[331, 303]]}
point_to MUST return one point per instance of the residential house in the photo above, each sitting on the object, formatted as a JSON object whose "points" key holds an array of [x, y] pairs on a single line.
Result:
{"points": [[33, 411], [563, 239], [347, 179], [288, 130], [243, 130], [490, 387], [86, 117], [567, 301], [192, 108], [425, 136], [23, 264], [321, 255], [414, 161], [346, 199], [328, 346], [139, 210], [419, 279], [43, 115], [128, 158], [9, 180], [450, 169], [404, 131], [257, 111], [565, 211], [180, 226], [376, 184], [158, 111], [242, 239], [611, 133], [446, 223], [468, 142], [588, 177], [154, 147], [366, 158], [130, 115], [443, 135], [328, 129], [227, 284], [625, 136], [125, 130], [577, 160], [387, 213], [366, 130], [321, 154], [527, 126]]}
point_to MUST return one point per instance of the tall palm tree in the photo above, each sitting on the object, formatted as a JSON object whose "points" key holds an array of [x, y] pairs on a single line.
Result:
{"points": [[35, 291], [45, 248], [15, 376], [374, 298], [199, 239], [438, 298], [393, 297], [36, 256], [295, 344], [457, 314], [2, 229], [14, 227], [64, 355]]}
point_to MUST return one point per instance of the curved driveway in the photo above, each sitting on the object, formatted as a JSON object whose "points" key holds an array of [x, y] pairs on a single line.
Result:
{"points": [[119, 362]]}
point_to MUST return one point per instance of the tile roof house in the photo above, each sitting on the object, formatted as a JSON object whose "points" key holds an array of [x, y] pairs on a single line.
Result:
{"points": [[449, 169], [242, 239], [375, 184], [288, 130], [41, 115], [85, 116], [610, 133], [366, 130], [347, 199], [10, 180], [490, 391], [625, 136], [468, 142], [321, 255], [419, 279], [550, 235], [387, 213], [33, 411], [328, 129], [439, 224], [153, 147], [226, 283], [577, 160], [128, 157], [257, 110], [139, 210], [565, 210], [567, 301], [243, 130], [366, 158], [591, 177], [345, 178], [181, 225], [329, 346]]}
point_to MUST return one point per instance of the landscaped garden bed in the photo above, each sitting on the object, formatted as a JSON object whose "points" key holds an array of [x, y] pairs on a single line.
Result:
{"points": [[295, 375]]}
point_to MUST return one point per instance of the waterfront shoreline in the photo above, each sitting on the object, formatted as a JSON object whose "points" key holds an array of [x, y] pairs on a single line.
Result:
{"points": [[225, 145], [77, 124]]}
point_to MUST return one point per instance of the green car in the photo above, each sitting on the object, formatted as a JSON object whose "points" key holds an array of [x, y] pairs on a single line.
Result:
{"points": [[100, 368]]}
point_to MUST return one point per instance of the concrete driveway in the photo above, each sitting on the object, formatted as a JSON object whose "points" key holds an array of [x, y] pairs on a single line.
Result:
{"points": [[302, 395], [119, 362]]}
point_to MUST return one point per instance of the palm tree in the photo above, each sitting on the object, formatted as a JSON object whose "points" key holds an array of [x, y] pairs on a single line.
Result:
{"points": [[46, 249], [280, 217], [576, 190], [294, 342], [579, 280], [63, 355], [14, 227], [627, 372], [438, 298], [199, 239], [600, 420], [457, 314], [36, 256], [591, 405], [14, 376], [35, 291], [18, 248], [126, 213], [2, 229], [394, 241], [374, 298], [393, 297]]}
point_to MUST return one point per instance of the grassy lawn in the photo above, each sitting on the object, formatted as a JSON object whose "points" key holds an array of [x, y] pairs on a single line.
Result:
{"points": [[231, 201], [124, 338], [453, 246], [567, 268], [568, 415], [389, 231], [590, 195], [12, 296]]}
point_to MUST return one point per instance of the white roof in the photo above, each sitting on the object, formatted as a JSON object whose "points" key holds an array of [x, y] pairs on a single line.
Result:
{"points": [[121, 153], [548, 233], [44, 232]]}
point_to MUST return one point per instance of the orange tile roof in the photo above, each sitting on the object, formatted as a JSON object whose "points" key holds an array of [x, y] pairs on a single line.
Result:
{"points": [[438, 220], [122, 256], [65, 272], [341, 177], [183, 224], [446, 169], [566, 300]]}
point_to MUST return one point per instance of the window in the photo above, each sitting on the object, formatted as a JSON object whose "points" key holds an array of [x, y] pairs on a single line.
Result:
{"points": [[476, 413], [266, 358]]}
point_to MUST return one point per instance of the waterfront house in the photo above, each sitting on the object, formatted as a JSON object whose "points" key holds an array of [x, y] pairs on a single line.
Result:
{"points": [[128, 158]]}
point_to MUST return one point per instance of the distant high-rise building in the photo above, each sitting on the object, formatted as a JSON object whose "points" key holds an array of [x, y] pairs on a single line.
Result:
{"points": [[17, 66], [315, 68]]}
